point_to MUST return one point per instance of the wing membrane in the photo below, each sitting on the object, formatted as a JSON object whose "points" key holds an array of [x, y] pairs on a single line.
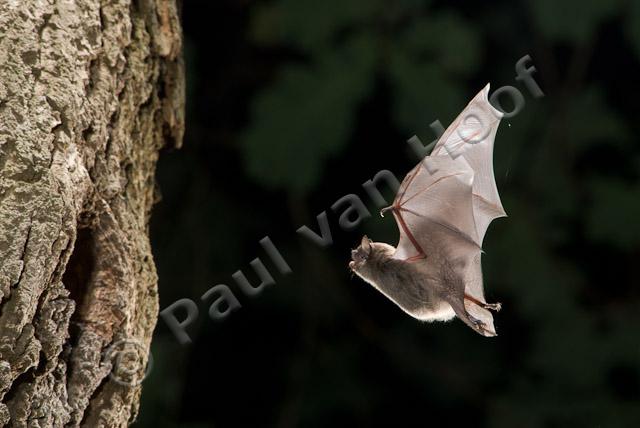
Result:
{"points": [[445, 204], [471, 136], [437, 197]]}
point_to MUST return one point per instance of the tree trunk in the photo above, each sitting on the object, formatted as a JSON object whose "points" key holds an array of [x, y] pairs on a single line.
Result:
{"points": [[89, 92]]}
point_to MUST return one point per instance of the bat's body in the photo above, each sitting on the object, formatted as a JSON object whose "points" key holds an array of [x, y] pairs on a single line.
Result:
{"points": [[408, 284], [443, 209]]}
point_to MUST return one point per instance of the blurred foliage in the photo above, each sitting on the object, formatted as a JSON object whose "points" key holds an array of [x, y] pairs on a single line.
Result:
{"points": [[292, 114], [571, 21], [293, 104], [340, 49]]}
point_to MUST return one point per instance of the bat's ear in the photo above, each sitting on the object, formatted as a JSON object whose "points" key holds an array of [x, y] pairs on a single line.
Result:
{"points": [[366, 244]]}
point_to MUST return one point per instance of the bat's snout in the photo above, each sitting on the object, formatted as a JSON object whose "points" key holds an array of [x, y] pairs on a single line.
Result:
{"points": [[358, 258]]}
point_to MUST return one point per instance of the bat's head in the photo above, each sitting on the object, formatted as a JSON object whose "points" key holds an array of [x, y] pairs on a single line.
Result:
{"points": [[360, 255]]}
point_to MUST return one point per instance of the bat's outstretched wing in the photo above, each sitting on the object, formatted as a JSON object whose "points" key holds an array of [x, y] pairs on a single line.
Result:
{"points": [[435, 214], [445, 204], [434, 198], [471, 136]]}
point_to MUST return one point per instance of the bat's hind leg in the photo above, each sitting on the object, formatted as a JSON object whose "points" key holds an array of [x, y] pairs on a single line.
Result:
{"points": [[479, 324], [490, 306], [493, 306], [476, 324]]}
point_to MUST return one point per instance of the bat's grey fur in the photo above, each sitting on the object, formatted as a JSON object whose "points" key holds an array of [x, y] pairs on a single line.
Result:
{"points": [[427, 291]]}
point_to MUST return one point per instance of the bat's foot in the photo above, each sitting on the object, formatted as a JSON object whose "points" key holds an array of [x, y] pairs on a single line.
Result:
{"points": [[493, 306], [480, 326], [490, 306]]}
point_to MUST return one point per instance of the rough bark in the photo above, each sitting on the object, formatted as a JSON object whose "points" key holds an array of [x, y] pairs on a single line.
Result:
{"points": [[89, 92]]}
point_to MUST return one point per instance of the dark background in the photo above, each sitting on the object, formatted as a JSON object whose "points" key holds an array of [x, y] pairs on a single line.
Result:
{"points": [[294, 103]]}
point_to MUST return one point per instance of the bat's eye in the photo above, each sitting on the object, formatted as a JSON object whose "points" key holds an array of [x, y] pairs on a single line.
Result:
{"points": [[358, 255]]}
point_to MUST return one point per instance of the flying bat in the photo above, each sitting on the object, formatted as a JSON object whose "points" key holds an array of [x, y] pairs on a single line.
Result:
{"points": [[443, 208]]}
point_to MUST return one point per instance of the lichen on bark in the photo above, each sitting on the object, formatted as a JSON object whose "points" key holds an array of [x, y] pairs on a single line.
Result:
{"points": [[90, 91]]}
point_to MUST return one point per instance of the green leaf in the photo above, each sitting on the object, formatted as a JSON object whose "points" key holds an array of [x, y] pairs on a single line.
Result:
{"points": [[570, 20], [422, 93], [425, 64], [590, 119], [633, 25], [615, 213], [448, 40], [307, 24], [306, 116]]}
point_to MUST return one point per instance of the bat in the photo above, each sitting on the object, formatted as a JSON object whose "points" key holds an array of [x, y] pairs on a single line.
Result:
{"points": [[443, 209]]}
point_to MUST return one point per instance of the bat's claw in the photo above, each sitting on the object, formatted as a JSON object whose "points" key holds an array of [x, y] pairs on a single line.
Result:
{"points": [[384, 210]]}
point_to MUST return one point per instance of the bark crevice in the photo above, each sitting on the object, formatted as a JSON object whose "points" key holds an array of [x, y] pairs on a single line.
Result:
{"points": [[89, 93]]}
